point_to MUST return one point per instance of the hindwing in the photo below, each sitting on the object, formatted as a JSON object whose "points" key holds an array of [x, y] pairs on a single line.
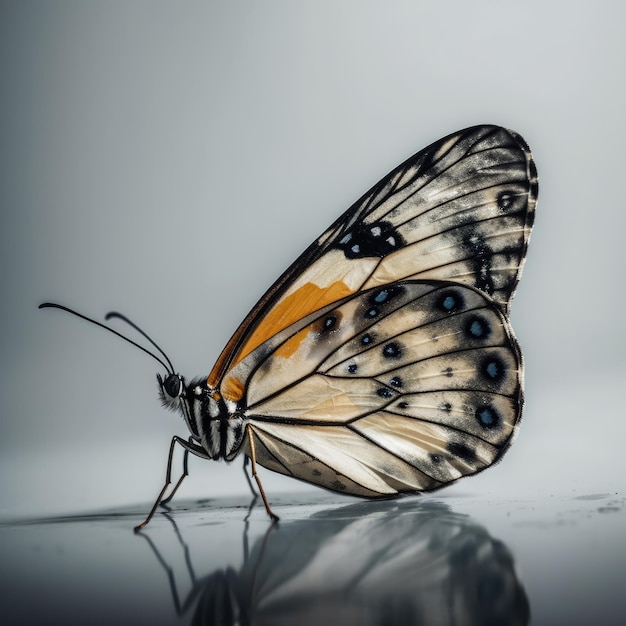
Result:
{"points": [[394, 389]]}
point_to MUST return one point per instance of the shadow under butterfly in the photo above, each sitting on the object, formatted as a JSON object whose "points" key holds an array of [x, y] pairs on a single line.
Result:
{"points": [[385, 563]]}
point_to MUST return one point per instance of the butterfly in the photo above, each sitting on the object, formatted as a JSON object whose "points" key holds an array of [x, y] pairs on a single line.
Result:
{"points": [[382, 361]]}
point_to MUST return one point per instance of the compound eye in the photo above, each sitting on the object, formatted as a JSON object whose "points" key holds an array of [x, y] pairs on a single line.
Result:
{"points": [[173, 386]]}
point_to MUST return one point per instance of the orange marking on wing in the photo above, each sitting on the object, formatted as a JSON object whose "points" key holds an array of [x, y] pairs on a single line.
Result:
{"points": [[216, 373], [290, 346], [232, 389], [305, 300]]}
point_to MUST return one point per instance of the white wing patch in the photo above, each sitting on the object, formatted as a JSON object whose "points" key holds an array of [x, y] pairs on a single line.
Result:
{"points": [[337, 458]]}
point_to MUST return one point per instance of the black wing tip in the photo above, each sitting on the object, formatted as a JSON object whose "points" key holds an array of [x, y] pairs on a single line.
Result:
{"points": [[494, 128], [533, 178]]}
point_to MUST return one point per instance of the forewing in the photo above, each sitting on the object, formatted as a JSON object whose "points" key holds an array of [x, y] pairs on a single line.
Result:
{"points": [[401, 388], [461, 210]]}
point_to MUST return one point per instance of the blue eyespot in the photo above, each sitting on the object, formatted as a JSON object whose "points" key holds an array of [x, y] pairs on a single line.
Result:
{"points": [[487, 417], [450, 301], [330, 322], [392, 350], [493, 368], [477, 328], [381, 296]]}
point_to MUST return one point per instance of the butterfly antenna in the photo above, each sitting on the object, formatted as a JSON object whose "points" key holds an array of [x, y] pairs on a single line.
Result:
{"points": [[115, 314], [168, 367]]}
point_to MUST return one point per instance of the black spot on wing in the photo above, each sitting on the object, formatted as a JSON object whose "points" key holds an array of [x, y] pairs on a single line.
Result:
{"points": [[385, 392], [488, 417], [392, 350], [493, 369], [481, 259], [450, 301], [379, 299], [376, 239], [328, 324], [505, 201], [386, 294], [477, 327], [367, 339], [462, 451]]}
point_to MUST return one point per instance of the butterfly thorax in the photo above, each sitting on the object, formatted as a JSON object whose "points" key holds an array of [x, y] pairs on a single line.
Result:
{"points": [[214, 422]]}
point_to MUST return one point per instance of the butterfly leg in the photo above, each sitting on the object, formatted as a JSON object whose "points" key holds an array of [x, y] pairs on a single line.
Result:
{"points": [[245, 471], [271, 513], [255, 495], [189, 447], [182, 477]]}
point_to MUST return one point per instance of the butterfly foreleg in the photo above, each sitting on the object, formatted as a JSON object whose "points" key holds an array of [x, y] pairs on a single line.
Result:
{"points": [[188, 446], [271, 513]]}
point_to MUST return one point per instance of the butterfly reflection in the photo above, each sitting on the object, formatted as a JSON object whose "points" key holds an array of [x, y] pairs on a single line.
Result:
{"points": [[382, 563]]}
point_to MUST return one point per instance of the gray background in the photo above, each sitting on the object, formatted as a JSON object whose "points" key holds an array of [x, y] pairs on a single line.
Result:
{"points": [[169, 160]]}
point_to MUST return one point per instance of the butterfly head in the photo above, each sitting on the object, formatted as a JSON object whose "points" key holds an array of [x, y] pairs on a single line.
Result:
{"points": [[179, 397], [172, 391]]}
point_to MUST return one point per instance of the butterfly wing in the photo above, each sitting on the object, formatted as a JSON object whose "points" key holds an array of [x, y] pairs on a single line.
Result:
{"points": [[382, 361], [461, 210], [395, 389]]}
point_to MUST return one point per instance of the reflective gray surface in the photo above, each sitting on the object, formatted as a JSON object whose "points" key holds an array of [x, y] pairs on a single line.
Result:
{"points": [[428, 560]]}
